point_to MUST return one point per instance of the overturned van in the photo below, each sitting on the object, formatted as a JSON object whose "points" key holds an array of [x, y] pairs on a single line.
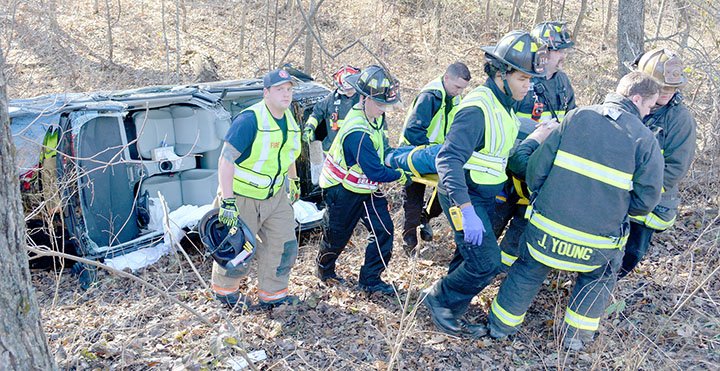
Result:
{"points": [[92, 162]]}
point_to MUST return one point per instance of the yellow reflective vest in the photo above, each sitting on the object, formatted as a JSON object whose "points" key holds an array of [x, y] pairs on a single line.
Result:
{"points": [[440, 123], [335, 169], [272, 152], [487, 166]]}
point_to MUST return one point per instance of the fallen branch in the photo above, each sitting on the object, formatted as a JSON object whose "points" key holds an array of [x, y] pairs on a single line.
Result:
{"points": [[203, 319]]}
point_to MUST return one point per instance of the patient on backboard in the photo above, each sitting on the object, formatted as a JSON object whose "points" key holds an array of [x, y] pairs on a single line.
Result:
{"points": [[416, 160]]}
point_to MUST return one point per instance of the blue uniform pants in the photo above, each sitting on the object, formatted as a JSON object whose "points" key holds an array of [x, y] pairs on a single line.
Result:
{"points": [[587, 303], [343, 210], [474, 266]]}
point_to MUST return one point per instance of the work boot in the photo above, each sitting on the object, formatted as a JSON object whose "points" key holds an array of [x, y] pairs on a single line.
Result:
{"points": [[290, 300], [441, 316], [234, 301], [472, 330], [426, 232], [326, 265], [380, 287], [410, 242], [577, 340], [496, 334], [330, 278]]}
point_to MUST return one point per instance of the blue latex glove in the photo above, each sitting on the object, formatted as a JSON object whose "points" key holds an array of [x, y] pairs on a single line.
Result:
{"points": [[472, 226], [228, 212]]}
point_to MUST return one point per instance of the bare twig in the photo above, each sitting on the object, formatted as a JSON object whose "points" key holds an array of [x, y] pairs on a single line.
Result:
{"points": [[198, 315]]}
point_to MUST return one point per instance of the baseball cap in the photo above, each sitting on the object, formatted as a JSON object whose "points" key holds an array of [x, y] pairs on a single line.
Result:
{"points": [[277, 77]]}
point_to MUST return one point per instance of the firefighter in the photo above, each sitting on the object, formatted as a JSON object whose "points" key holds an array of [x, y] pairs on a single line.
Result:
{"points": [[674, 128], [550, 98], [471, 168], [426, 123], [258, 155], [599, 166], [332, 110], [350, 179]]}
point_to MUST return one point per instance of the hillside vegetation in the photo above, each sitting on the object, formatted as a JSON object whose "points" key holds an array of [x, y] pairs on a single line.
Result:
{"points": [[664, 316]]}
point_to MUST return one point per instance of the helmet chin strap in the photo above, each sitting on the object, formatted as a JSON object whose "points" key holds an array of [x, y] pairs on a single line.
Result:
{"points": [[506, 86], [372, 122]]}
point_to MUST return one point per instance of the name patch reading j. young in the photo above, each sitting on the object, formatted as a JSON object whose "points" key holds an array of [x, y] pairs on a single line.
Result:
{"points": [[565, 248]]}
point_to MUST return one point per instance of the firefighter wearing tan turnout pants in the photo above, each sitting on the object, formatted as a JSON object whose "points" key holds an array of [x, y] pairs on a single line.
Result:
{"points": [[599, 166], [258, 155]]}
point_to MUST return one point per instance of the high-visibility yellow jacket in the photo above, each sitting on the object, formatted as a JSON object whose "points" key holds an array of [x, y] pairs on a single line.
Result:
{"points": [[272, 152]]}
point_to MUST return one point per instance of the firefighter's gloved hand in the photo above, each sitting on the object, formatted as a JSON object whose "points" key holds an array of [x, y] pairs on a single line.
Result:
{"points": [[228, 212], [293, 189], [404, 178], [308, 134], [472, 226]]}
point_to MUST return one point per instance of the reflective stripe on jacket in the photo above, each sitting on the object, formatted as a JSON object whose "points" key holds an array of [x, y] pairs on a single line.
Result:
{"points": [[487, 166], [272, 152], [599, 166], [439, 125], [335, 170], [674, 128]]}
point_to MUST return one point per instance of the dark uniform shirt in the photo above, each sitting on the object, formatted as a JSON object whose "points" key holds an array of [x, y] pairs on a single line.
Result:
{"points": [[467, 134], [330, 111], [243, 131], [555, 93], [427, 104]]}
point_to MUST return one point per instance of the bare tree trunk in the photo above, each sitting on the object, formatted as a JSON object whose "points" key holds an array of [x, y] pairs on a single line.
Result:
{"points": [[243, 18], [108, 34], [579, 19], [487, 12], [275, 31], [515, 14], [23, 344], [550, 11], [183, 7], [267, 35], [177, 40], [540, 12], [562, 10], [682, 7], [659, 18], [606, 23], [438, 22], [165, 41], [307, 66], [630, 32]]}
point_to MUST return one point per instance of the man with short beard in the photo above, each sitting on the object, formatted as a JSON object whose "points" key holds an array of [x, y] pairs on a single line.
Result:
{"points": [[601, 165]]}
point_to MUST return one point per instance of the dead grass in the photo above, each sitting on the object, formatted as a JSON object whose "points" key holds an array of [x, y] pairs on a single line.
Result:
{"points": [[664, 317]]}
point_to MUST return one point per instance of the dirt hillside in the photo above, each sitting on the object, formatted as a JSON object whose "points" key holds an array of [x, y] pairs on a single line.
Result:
{"points": [[665, 316]]}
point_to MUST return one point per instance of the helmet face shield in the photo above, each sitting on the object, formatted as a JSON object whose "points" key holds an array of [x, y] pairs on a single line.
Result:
{"points": [[673, 72], [540, 60]]}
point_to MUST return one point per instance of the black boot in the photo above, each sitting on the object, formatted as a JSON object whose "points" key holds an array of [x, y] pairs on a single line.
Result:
{"points": [[441, 316], [426, 232], [410, 242], [326, 264], [234, 301]]}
